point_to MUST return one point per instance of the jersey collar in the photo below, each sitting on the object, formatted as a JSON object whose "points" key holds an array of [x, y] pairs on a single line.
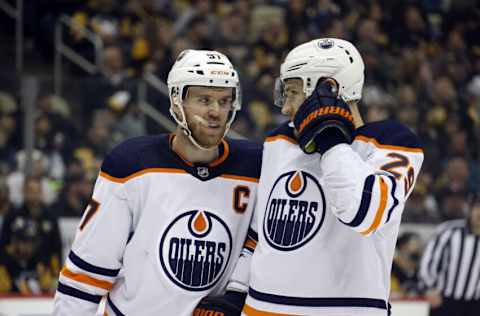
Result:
{"points": [[202, 171]]}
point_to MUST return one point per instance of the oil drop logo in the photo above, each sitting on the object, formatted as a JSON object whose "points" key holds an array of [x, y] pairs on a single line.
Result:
{"points": [[295, 210], [195, 249]]}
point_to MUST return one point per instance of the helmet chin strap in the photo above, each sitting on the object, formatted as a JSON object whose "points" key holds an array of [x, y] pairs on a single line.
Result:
{"points": [[189, 134], [184, 127], [196, 144], [203, 122]]}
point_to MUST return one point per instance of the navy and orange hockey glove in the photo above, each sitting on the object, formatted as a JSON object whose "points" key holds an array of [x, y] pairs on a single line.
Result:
{"points": [[323, 120], [230, 304]]}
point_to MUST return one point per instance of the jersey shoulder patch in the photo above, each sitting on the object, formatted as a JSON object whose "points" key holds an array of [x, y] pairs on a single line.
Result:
{"points": [[389, 133]]}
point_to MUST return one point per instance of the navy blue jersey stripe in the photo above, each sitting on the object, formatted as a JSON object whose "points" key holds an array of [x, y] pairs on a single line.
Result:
{"points": [[252, 234], [284, 129], [390, 132], [134, 155], [249, 249], [68, 290], [395, 200], [113, 307], [79, 262], [364, 204], [319, 301]]}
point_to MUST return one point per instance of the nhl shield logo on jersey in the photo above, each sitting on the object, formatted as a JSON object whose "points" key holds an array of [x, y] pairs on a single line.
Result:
{"points": [[195, 250], [295, 211]]}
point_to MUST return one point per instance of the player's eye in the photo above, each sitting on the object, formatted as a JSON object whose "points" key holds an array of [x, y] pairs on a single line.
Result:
{"points": [[203, 100], [225, 102], [291, 93]]}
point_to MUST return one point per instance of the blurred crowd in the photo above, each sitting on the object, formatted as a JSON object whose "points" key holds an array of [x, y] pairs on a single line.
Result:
{"points": [[422, 67]]}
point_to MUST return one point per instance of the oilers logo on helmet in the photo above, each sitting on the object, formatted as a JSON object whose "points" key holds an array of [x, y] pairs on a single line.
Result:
{"points": [[325, 43], [195, 250], [295, 211]]}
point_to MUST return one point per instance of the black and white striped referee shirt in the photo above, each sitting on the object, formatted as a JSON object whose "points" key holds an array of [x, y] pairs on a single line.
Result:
{"points": [[451, 262]]}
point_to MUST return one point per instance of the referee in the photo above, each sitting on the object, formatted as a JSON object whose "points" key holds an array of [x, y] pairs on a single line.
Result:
{"points": [[450, 266]]}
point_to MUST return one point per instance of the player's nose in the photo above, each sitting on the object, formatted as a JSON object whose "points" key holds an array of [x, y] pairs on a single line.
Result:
{"points": [[214, 108], [286, 109], [213, 113]]}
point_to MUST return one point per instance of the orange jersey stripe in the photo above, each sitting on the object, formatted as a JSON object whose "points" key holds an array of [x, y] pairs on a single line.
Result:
{"points": [[381, 208], [250, 243], [235, 177], [140, 173], [82, 278], [391, 147], [168, 170], [219, 160], [282, 137], [250, 311]]}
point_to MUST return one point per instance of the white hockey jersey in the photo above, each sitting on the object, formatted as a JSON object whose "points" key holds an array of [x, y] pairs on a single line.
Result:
{"points": [[325, 227], [160, 233]]}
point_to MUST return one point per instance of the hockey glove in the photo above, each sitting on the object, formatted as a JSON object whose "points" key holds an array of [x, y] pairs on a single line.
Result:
{"points": [[230, 304], [323, 120]]}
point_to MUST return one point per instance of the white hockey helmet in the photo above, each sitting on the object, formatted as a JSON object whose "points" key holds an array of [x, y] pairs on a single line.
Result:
{"points": [[201, 68], [321, 58]]}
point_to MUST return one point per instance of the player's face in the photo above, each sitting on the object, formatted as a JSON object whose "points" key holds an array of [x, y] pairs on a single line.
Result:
{"points": [[207, 110], [294, 97], [475, 218]]}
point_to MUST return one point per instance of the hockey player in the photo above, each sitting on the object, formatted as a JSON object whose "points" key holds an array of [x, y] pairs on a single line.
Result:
{"points": [[331, 194], [169, 213]]}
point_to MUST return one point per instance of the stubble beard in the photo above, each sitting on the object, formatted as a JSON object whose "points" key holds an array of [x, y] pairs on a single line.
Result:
{"points": [[205, 139]]}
